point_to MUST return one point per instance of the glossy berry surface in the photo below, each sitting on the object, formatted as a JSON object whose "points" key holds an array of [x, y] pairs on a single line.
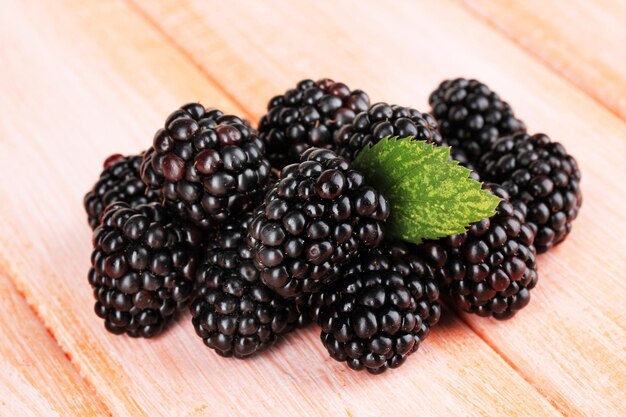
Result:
{"points": [[233, 312], [541, 176], [472, 117], [317, 217], [118, 182], [308, 116], [382, 120], [143, 267], [490, 269], [381, 311], [208, 166]]}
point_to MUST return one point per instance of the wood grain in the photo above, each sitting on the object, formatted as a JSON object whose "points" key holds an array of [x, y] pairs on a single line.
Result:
{"points": [[581, 40], [569, 342], [37, 378], [83, 80]]}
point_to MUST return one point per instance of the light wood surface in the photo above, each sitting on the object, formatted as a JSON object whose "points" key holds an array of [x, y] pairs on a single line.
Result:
{"points": [[581, 40], [103, 78], [37, 378]]}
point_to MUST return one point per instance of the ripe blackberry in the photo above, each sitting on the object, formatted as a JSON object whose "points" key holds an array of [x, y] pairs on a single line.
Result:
{"points": [[308, 116], [471, 117], [233, 312], [541, 176], [490, 269], [143, 267], [207, 165], [383, 120], [119, 181], [381, 310], [313, 220]]}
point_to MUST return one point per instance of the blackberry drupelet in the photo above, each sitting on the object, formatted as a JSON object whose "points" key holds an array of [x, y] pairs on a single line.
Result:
{"points": [[119, 181], [317, 217], [207, 165], [143, 267], [381, 311], [233, 312], [308, 116], [382, 120], [540, 176], [471, 117], [490, 269]]}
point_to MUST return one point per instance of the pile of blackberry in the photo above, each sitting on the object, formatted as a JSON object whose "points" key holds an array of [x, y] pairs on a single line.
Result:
{"points": [[260, 233]]}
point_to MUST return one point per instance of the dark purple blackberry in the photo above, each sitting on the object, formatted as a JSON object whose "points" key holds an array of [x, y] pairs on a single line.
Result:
{"points": [[208, 166], [143, 267], [119, 181], [382, 120], [540, 176], [233, 312], [471, 117], [308, 116], [381, 311], [490, 269], [313, 220]]}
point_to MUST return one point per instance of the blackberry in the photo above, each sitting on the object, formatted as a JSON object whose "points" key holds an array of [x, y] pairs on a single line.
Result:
{"points": [[471, 117], [490, 269], [381, 311], [143, 267], [540, 176], [308, 116], [383, 120], [313, 220], [119, 181], [233, 312], [207, 165]]}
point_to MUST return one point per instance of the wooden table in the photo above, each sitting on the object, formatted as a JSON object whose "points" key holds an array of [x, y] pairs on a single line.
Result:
{"points": [[80, 80]]}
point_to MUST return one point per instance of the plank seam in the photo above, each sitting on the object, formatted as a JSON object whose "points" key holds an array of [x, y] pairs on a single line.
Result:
{"points": [[7, 271], [473, 13]]}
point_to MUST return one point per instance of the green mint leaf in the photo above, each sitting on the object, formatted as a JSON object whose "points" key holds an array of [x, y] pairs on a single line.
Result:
{"points": [[430, 195]]}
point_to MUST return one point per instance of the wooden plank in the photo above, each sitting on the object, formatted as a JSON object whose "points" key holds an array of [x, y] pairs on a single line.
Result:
{"points": [[37, 378], [82, 80], [569, 343], [581, 40]]}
